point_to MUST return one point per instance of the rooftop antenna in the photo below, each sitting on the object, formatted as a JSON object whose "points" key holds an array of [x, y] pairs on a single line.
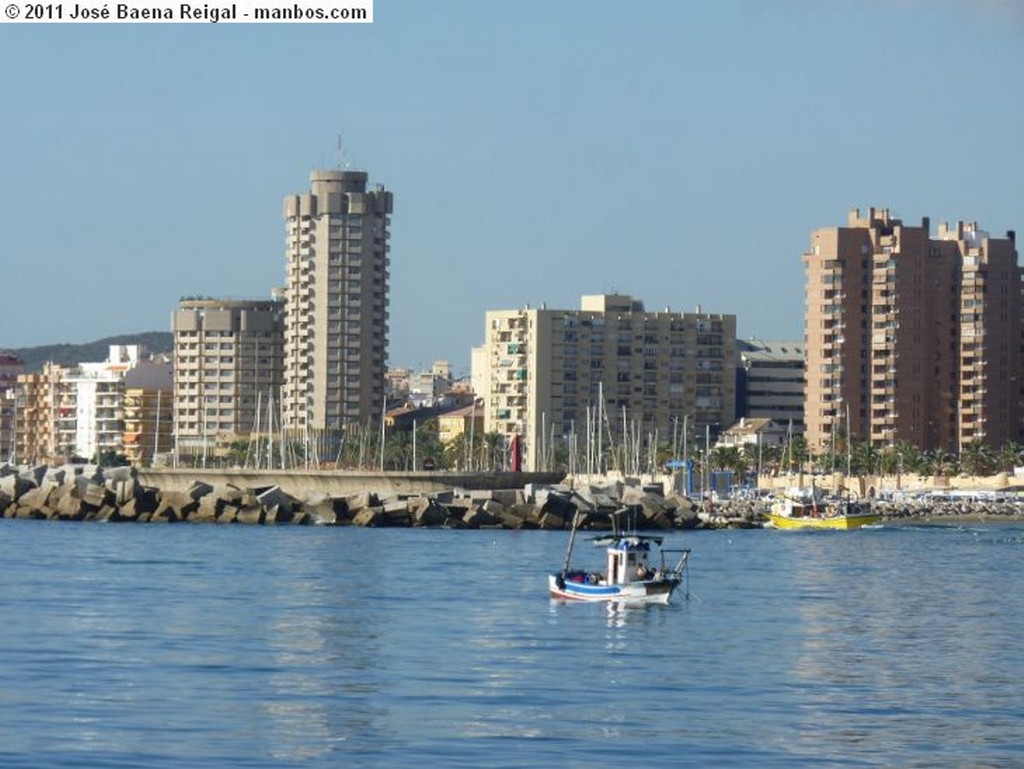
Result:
{"points": [[343, 164]]}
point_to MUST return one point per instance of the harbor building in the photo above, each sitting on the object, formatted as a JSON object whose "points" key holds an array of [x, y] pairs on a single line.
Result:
{"points": [[336, 304], [228, 372], [909, 338], [770, 382], [603, 386]]}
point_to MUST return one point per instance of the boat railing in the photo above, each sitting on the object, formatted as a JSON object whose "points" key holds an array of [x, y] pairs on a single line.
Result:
{"points": [[679, 569]]}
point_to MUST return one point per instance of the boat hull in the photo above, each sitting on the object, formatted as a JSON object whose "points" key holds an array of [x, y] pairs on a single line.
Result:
{"points": [[826, 522], [649, 591]]}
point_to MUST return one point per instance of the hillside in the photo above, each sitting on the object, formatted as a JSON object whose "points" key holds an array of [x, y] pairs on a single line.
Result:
{"points": [[70, 354]]}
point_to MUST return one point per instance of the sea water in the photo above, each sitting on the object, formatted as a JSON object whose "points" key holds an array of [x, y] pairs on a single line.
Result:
{"points": [[206, 646]]}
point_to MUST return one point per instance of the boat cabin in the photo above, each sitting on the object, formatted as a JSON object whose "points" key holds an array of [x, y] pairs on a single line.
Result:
{"points": [[628, 560]]}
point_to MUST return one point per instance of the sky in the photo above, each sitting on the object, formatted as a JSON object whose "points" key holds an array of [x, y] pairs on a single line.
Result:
{"points": [[538, 150]]}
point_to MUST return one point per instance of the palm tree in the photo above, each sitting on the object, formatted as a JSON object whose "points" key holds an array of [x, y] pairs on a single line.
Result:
{"points": [[938, 461], [866, 459], [977, 458], [1010, 456]]}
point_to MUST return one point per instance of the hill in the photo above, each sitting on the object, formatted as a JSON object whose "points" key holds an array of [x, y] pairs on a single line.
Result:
{"points": [[70, 354]]}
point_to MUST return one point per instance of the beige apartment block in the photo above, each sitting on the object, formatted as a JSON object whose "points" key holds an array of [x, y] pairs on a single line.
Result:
{"points": [[336, 321], [228, 371], [901, 328], [607, 375], [987, 342], [35, 433], [149, 413]]}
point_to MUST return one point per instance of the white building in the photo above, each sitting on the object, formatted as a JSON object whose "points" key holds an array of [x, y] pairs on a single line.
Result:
{"points": [[89, 418]]}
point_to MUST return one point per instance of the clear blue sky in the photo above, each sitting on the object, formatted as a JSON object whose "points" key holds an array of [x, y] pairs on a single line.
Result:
{"points": [[681, 152]]}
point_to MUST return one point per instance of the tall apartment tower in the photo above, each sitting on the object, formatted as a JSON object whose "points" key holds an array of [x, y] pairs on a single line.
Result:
{"points": [[987, 345], [228, 370], [336, 320], [900, 329], [636, 375]]}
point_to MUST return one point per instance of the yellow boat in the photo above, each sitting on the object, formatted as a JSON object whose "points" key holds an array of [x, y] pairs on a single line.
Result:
{"points": [[807, 511]]}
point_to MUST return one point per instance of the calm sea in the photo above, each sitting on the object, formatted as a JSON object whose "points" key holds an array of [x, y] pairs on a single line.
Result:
{"points": [[206, 646]]}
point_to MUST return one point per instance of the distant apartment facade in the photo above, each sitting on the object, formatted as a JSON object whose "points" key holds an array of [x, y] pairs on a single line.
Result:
{"points": [[609, 366], [36, 439], [770, 382], [149, 413], [228, 370], [910, 338], [11, 367], [336, 319], [74, 412]]}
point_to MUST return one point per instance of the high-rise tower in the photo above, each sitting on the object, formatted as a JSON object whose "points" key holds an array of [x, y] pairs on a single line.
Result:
{"points": [[911, 339], [336, 311]]}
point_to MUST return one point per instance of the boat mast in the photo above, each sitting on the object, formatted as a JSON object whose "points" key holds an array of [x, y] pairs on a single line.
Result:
{"points": [[572, 541]]}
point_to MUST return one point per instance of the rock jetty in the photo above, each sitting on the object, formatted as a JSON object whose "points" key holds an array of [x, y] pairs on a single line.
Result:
{"points": [[92, 493]]}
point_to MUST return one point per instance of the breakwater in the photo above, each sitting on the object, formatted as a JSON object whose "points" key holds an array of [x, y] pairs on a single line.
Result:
{"points": [[483, 500], [89, 493]]}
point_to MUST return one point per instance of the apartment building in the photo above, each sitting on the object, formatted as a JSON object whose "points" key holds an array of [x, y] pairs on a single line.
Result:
{"points": [[911, 338], [228, 371], [770, 382], [149, 412], [11, 367], [336, 319], [638, 378], [987, 340], [35, 434], [69, 412]]}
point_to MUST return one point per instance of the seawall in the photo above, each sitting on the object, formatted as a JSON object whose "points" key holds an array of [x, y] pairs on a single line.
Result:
{"points": [[299, 483]]}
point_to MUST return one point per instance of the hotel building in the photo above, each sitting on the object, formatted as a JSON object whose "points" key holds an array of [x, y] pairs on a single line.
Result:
{"points": [[609, 366], [227, 370], [911, 338], [336, 317]]}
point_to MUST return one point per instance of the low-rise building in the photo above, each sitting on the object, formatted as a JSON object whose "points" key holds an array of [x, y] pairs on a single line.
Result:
{"points": [[465, 420]]}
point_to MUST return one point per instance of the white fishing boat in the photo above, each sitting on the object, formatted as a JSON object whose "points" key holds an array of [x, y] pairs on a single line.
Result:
{"points": [[634, 569]]}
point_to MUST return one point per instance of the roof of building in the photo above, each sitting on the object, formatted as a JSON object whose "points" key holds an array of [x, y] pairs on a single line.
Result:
{"points": [[771, 349], [750, 426], [465, 411], [150, 375]]}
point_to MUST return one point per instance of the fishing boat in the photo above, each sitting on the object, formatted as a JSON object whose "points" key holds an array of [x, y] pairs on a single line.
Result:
{"points": [[635, 569], [796, 509]]}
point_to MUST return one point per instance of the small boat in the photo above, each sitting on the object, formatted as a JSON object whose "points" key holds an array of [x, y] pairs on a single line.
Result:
{"points": [[635, 569], [809, 510]]}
